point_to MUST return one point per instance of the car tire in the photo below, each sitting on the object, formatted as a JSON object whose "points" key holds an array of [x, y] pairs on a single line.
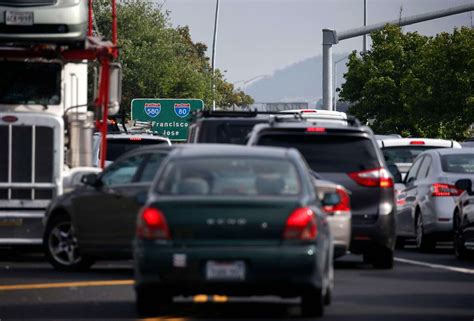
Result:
{"points": [[460, 250], [423, 242], [312, 304], [382, 258], [328, 297], [149, 302], [400, 243], [60, 246]]}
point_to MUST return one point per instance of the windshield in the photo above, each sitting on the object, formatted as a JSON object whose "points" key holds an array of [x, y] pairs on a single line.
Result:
{"points": [[118, 147], [227, 132], [404, 154], [458, 163], [230, 176], [329, 153], [30, 83]]}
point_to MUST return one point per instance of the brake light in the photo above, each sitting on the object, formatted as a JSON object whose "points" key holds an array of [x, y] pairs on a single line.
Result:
{"points": [[315, 129], [301, 225], [343, 205], [440, 189], [378, 177], [135, 138], [417, 142], [152, 225], [309, 111]]}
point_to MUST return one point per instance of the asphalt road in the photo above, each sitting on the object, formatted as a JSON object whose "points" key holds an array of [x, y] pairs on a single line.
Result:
{"points": [[432, 286]]}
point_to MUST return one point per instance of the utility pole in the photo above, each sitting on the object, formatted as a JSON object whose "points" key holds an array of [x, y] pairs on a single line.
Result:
{"points": [[214, 43]]}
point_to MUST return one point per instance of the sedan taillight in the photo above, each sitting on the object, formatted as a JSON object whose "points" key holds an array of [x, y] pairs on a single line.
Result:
{"points": [[440, 189], [301, 225], [342, 206], [152, 225], [378, 177]]}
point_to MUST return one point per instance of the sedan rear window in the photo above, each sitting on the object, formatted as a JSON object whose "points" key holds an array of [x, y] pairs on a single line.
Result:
{"points": [[328, 153], [458, 163], [404, 154], [230, 176]]}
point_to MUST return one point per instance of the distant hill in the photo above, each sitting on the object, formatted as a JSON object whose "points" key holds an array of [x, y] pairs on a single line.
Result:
{"points": [[301, 81]]}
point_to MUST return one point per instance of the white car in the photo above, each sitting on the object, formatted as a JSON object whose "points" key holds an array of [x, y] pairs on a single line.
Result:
{"points": [[119, 144], [403, 151], [319, 114], [44, 21]]}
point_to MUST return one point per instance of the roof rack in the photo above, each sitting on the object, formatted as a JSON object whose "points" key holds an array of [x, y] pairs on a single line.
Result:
{"points": [[350, 120], [225, 113]]}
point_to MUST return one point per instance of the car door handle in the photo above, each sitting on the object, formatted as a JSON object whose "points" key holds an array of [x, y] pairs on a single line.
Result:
{"points": [[115, 193]]}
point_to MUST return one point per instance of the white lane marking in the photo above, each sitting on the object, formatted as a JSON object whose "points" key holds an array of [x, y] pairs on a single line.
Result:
{"points": [[435, 266]]}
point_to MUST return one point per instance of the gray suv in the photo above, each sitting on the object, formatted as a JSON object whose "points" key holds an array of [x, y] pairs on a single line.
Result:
{"points": [[348, 155]]}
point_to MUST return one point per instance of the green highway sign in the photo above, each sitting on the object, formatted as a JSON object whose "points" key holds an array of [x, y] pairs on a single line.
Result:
{"points": [[169, 117]]}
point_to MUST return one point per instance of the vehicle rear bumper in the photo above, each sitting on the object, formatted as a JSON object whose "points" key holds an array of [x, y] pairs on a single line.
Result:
{"points": [[340, 226], [278, 270], [21, 227], [375, 233]]}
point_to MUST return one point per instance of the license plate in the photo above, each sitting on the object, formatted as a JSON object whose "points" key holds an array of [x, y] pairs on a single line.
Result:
{"points": [[11, 222], [225, 271], [19, 18]]}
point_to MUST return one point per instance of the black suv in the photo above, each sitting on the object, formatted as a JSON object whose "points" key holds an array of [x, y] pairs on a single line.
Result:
{"points": [[345, 152], [224, 127]]}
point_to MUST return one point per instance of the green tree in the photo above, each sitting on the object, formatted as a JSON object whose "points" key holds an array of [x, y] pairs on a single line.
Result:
{"points": [[159, 60], [414, 85]]}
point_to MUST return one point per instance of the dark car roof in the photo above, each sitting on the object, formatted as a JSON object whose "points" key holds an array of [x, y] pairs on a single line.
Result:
{"points": [[148, 148], [198, 150]]}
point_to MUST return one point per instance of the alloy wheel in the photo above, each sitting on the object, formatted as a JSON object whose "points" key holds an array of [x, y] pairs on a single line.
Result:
{"points": [[62, 244]]}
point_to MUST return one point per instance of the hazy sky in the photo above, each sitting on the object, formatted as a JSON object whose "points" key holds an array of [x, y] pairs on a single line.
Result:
{"points": [[257, 37]]}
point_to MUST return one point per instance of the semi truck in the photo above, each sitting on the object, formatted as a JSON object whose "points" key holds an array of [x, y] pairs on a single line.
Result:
{"points": [[46, 126]]}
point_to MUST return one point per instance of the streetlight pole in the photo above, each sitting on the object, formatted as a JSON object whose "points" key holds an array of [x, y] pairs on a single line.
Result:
{"points": [[364, 44], [213, 64]]}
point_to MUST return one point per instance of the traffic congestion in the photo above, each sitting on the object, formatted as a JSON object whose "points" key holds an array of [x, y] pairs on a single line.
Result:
{"points": [[176, 209]]}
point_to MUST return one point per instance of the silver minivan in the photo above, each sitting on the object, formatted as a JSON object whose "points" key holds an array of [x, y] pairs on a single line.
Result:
{"points": [[426, 203], [43, 21]]}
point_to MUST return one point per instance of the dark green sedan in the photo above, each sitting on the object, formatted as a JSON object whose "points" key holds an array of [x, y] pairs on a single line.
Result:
{"points": [[233, 220]]}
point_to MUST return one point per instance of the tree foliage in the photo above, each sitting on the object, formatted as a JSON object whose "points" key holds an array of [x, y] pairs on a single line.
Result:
{"points": [[159, 60], [414, 85]]}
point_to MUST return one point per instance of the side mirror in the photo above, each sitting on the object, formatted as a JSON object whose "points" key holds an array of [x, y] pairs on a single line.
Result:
{"points": [[397, 176], [331, 199], [91, 180], [141, 198], [115, 88], [465, 185]]}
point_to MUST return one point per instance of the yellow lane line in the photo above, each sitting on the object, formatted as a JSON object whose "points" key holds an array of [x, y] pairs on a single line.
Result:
{"points": [[64, 285]]}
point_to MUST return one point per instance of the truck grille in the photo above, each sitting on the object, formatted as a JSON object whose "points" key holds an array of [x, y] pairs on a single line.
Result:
{"points": [[27, 3], [26, 162]]}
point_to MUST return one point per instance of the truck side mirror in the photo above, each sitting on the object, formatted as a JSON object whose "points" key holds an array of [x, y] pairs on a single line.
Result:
{"points": [[115, 88]]}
